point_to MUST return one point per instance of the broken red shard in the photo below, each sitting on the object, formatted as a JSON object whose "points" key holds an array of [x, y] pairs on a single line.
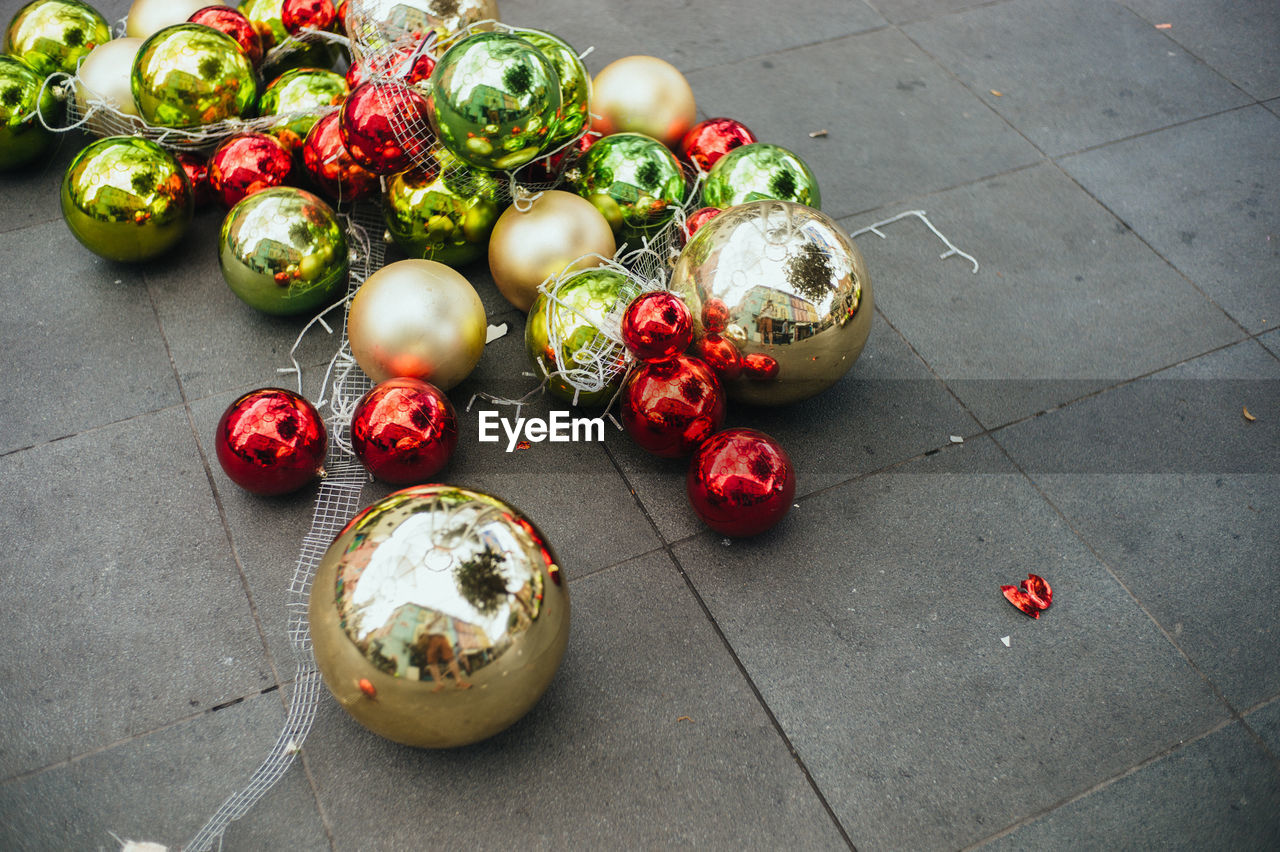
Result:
{"points": [[1021, 600], [1038, 589]]}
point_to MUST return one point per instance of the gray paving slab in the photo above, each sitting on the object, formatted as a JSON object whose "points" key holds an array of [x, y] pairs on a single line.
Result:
{"points": [[162, 787], [1074, 73], [648, 737], [1265, 721], [1205, 196], [1219, 792], [31, 194], [1066, 300], [897, 124], [884, 661], [904, 11], [124, 610], [1273, 105], [62, 315], [1271, 342]]}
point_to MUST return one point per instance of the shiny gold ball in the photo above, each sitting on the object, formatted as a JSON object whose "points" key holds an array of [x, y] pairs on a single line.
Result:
{"points": [[643, 94], [104, 76], [417, 318], [787, 288], [147, 17], [54, 35], [439, 616], [559, 231]]}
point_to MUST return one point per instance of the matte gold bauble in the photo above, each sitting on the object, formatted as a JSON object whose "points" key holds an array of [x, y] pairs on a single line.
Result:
{"points": [[643, 94], [147, 17], [417, 318], [559, 231], [104, 76]]}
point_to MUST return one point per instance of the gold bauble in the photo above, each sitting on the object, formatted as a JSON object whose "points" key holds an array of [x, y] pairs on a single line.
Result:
{"points": [[643, 94], [147, 17], [553, 234], [439, 616], [417, 318], [104, 76]]}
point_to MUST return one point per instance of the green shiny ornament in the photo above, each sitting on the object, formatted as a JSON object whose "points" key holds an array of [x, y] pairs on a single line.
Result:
{"points": [[266, 16], [189, 74], [54, 35], [575, 87], [22, 136], [634, 180], [757, 172], [309, 93], [283, 252], [427, 218], [469, 181], [126, 198], [582, 306], [494, 99]]}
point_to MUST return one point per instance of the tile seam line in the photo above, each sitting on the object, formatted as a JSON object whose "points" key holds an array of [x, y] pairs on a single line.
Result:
{"points": [[792, 47], [737, 661]]}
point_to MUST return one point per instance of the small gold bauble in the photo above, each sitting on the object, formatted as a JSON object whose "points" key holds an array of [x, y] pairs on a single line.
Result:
{"points": [[643, 94]]}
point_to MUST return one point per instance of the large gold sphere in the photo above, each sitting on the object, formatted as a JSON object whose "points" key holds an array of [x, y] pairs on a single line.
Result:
{"points": [[439, 616], [417, 318], [787, 288], [551, 235], [643, 94]]}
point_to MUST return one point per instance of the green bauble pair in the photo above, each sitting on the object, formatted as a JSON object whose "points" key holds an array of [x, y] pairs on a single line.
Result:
{"points": [[437, 215], [189, 75], [23, 137], [54, 35], [759, 172], [634, 181]]}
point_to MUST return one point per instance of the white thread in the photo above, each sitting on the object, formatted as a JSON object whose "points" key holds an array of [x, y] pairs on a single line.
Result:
{"points": [[919, 214]]}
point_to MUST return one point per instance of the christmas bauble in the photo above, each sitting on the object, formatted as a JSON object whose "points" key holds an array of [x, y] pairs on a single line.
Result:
{"points": [[468, 180], [126, 198], [741, 482], [558, 231], [331, 168], [196, 165], [313, 14], [634, 181], [148, 17], [247, 163], [721, 355], [23, 137], [786, 282], [566, 335], [710, 140], [427, 219], [271, 441], [267, 17], [384, 126], [301, 96], [104, 76], [672, 406], [381, 22], [643, 94], [657, 326], [189, 74], [283, 252], [417, 318], [54, 35], [572, 118], [404, 430], [697, 219], [410, 64], [494, 99], [758, 171], [233, 23], [439, 616]]}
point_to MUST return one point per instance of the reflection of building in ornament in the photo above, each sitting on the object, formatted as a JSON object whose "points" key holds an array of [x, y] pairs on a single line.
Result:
{"points": [[487, 104], [400, 647], [781, 317]]}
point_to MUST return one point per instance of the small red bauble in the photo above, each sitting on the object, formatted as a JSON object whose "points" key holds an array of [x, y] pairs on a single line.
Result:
{"points": [[657, 325], [408, 65], [271, 441], [316, 14], [671, 407], [759, 366], [741, 482], [404, 431], [715, 316], [698, 218], [331, 167], [197, 168], [720, 354], [710, 140], [384, 126], [245, 164], [233, 23]]}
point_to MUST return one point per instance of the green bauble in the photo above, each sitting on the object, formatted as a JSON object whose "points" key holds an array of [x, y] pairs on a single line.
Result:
{"points": [[22, 136], [634, 181], [428, 218], [189, 74], [575, 87], [494, 99], [126, 198], [757, 172], [54, 35], [266, 17], [307, 92], [581, 305], [283, 252], [469, 181]]}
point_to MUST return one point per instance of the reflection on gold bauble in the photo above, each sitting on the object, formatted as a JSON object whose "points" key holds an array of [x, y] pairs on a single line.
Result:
{"points": [[150, 16], [417, 318], [104, 76], [790, 291], [643, 94], [528, 246], [439, 616]]}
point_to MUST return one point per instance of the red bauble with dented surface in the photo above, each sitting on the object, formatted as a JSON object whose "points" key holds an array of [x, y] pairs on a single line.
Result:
{"points": [[710, 140], [741, 482], [313, 14], [404, 431], [671, 407], [271, 441], [331, 167], [384, 126], [245, 164], [657, 325]]}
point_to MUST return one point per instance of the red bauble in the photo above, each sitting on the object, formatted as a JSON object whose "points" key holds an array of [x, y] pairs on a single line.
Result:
{"points": [[697, 219], [247, 163], [548, 169], [316, 14], [760, 366], [384, 126], [330, 166], [404, 431], [741, 482], [715, 316], [720, 354], [229, 21], [671, 407], [271, 441], [710, 140], [408, 64], [197, 168], [657, 325]]}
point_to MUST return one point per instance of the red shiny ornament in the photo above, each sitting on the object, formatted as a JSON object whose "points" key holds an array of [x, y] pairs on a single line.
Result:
{"points": [[343, 8], [315, 14], [697, 219], [715, 316], [404, 431], [759, 366], [229, 21], [720, 354], [245, 164], [271, 441], [548, 169], [1037, 588], [741, 482], [671, 407], [384, 126], [197, 168], [1021, 600], [657, 325], [330, 166], [710, 140], [408, 64]]}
